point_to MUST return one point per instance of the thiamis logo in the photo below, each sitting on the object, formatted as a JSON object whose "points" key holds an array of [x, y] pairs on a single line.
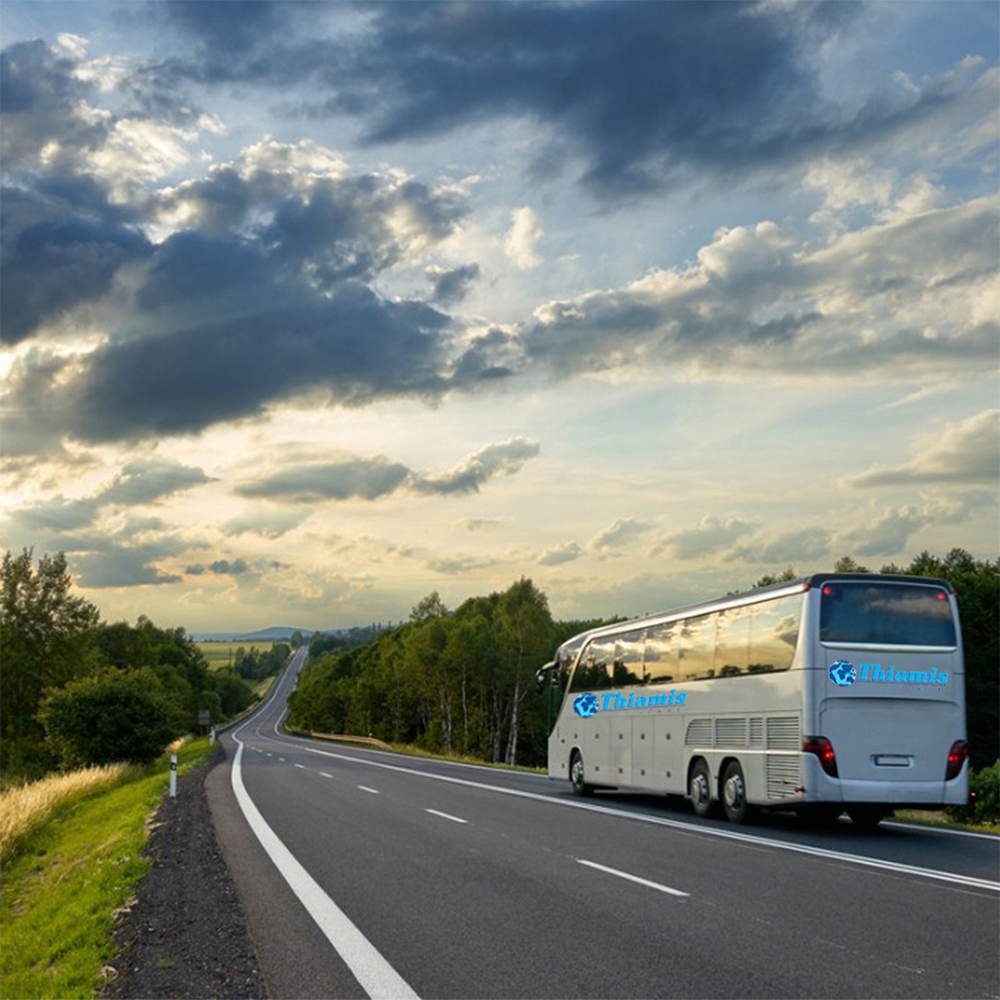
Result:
{"points": [[844, 674], [587, 705]]}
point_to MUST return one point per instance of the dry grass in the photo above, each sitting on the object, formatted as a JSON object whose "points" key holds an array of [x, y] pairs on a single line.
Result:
{"points": [[24, 809]]}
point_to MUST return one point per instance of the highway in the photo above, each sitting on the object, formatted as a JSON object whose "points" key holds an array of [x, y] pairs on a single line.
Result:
{"points": [[365, 873]]}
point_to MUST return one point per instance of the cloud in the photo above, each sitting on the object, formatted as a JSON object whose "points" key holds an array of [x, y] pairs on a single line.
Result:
{"points": [[353, 477], [619, 534], [520, 241], [963, 453], [451, 286], [610, 84], [266, 523], [502, 459], [221, 567], [711, 536], [479, 523], [559, 554], [801, 546], [147, 480], [903, 298]]}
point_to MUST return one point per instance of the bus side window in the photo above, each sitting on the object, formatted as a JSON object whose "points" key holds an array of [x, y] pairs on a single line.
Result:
{"points": [[774, 634], [628, 659], [696, 659], [660, 663], [732, 642], [593, 672]]}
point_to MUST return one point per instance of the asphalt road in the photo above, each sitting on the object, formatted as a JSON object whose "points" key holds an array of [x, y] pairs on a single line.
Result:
{"points": [[366, 873]]}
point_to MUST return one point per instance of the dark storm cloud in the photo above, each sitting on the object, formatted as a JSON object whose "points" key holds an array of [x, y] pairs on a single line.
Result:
{"points": [[646, 93], [451, 286]]}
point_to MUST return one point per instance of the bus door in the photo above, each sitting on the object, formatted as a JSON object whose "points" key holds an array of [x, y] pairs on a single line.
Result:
{"points": [[892, 690]]}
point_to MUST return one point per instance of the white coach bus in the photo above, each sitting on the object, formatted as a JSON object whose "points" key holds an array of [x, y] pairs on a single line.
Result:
{"points": [[837, 692]]}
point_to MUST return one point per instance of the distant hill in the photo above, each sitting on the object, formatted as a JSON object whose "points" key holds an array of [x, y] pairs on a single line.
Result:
{"points": [[277, 633]]}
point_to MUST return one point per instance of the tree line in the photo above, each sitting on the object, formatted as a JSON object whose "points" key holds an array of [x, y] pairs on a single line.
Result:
{"points": [[462, 681], [459, 682], [76, 690]]}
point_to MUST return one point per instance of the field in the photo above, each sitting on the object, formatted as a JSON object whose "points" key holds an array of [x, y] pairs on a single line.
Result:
{"points": [[223, 654]]}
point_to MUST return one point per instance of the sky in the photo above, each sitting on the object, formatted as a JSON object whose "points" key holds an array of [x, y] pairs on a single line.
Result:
{"points": [[309, 310]]}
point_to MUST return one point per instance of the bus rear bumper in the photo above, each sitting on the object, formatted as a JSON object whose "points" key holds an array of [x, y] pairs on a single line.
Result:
{"points": [[906, 793]]}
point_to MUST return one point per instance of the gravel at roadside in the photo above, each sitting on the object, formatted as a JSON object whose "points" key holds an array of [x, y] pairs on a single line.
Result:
{"points": [[186, 936]]}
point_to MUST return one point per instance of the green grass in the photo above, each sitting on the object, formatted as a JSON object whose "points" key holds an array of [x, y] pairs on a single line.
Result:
{"points": [[938, 817], [223, 654], [59, 897]]}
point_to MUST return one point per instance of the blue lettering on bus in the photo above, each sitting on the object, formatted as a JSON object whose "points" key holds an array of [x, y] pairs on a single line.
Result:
{"points": [[844, 674], [587, 705]]}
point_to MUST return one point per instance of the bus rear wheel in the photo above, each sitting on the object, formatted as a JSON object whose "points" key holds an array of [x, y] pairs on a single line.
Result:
{"points": [[734, 794], [577, 776]]}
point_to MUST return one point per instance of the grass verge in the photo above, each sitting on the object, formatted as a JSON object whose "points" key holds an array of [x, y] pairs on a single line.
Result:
{"points": [[938, 817], [70, 878]]}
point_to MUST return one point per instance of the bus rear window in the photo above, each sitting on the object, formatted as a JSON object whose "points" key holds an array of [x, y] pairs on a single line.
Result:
{"points": [[889, 614]]}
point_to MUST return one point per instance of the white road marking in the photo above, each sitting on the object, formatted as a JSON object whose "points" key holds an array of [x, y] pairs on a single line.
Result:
{"points": [[633, 878], [454, 819], [365, 788], [688, 828], [325, 775], [376, 976], [301, 765]]}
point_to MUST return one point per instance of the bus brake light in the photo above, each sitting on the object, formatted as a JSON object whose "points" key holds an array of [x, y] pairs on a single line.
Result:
{"points": [[957, 756], [823, 749]]}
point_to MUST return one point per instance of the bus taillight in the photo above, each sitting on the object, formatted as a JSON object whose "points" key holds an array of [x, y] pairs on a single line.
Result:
{"points": [[957, 756], [823, 749]]}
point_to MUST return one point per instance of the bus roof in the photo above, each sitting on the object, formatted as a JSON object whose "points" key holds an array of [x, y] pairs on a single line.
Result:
{"points": [[798, 585]]}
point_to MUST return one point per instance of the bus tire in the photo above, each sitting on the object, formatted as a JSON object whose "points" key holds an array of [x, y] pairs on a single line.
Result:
{"points": [[867, 817], [577, 776], [734, 794], [700, 790]]}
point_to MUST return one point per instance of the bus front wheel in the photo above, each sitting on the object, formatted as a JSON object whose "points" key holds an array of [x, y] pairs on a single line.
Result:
{"points": [[700, 790], [577, 777]]}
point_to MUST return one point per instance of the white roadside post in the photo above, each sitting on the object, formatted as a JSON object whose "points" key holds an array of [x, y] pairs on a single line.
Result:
{"points": [[173, 776]]}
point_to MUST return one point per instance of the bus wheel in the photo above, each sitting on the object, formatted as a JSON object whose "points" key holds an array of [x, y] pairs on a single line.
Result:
{"points": [[700, 790], [576, 775], [866, 817], [734, 794]]}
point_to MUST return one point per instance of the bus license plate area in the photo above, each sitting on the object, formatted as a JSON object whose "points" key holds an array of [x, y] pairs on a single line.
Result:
{"points": [[891, 760]]}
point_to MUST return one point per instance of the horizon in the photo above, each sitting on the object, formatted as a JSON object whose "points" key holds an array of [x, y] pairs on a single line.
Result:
{"points": [[311, 310]]}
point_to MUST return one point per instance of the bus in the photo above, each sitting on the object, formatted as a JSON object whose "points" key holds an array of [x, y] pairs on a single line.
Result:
{"points": [[837, 692]]}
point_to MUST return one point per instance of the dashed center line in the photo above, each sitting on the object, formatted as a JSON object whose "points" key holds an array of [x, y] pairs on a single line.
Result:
{"points": [[325, 775], [454, 819], [633, 878], [301, 765], [365, 788]]}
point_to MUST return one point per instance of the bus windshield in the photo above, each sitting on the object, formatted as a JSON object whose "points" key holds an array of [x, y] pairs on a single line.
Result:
{"points": [[886, 614]]}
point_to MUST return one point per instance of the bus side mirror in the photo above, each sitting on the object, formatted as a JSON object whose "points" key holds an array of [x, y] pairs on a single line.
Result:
{"points": [[542, 677]]}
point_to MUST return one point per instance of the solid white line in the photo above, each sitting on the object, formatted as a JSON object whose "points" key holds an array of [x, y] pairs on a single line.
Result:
{"points": [[376, 976], [927, 828], [454, 819], [689, 828], [633, 878], [365, 788]]}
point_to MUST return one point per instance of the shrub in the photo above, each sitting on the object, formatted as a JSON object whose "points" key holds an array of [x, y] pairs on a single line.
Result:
{"points": [[113, 715], [984, 797]]}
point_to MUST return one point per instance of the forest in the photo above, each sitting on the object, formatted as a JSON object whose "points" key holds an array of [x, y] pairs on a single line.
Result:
{"points": [[77, 690], [463, 681]]}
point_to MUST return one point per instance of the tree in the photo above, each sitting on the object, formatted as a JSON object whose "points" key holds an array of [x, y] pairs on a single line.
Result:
{"points": [[430, 606], [46, 637], [113, 715]]}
